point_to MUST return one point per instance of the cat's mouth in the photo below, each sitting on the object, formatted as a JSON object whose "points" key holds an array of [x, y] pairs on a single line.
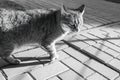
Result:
{"points": [[74, 28], [71, 28]]}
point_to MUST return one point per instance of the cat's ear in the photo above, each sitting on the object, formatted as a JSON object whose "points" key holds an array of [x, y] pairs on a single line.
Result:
{"points": [[64, 9], [81, 9]]}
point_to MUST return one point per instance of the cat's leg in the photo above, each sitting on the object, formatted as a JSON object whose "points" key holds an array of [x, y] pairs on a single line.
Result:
{"points": [[6, 50], [11, 60], [52, 51]]}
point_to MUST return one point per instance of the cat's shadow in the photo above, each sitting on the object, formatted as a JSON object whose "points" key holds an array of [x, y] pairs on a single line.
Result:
{"points": [[29, 61]]}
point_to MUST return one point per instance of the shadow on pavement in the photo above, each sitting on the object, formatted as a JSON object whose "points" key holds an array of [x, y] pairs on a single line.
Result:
{"points": [[97, 39], [32, 58], [92, 39], [115, 1], [10, 5], [29, 61]]}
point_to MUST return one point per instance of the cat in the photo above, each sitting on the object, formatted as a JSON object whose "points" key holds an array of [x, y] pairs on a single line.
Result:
{"points": [[42, 26]]}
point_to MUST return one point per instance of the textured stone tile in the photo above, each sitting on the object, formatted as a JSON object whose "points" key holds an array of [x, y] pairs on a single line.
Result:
{"points": [[70, 75], [23, 48], [61, 46], [24, 76], [96, 76], [80, 36], [115, 41], [93, 23], [99, 19], [14, 70], [49, 71], [98, 53], [78, 55], [98, 33], [78, 67], [54, 78], [118, 57], [83, 28], [109, 73], [2, 77], [87, 35], [80, 44], [108, 50], [87, 25], [31, 53], [90, 42], [110, 32], [117, 78], [112, 46], [115, 63], [62, 55]]}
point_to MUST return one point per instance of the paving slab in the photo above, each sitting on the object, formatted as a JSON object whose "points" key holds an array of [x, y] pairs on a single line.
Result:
{"points": [[24, 76], [62, 55], [79, 56], [107, 50], [98, 53], [14, 70], [54, 78], [36, 52], [2, 77], [49, 71], [115, 41], [107, 72], [92, 22], [115, 63], [78, 67], [70, 75], [117, 78], [96, 76]]}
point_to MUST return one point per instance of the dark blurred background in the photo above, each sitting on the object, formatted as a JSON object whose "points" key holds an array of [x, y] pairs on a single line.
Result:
{"points": [[10, 5], [115, 1]]}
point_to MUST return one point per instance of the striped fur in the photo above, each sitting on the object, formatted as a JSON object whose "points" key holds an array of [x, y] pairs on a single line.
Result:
{"points": [[41, 26]]}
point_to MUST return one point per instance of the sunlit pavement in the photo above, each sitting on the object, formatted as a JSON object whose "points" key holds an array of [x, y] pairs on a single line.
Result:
{"points": [[93, 54]]}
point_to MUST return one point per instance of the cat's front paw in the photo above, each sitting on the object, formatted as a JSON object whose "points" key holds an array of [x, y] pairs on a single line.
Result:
{"points": [[54, 57], [11, 60], [16, 61]]}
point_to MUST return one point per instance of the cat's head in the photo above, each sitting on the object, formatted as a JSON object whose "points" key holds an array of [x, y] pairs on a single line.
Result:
{"points": [[72, 19]]}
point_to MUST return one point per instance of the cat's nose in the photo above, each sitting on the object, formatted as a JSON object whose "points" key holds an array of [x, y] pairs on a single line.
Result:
{"points": [[75, 29]]}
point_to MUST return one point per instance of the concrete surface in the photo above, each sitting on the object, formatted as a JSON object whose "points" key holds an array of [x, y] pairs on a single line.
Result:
{"points": [[94, 54]]}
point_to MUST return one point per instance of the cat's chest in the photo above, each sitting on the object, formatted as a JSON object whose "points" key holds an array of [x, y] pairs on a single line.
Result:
{"points": [[62, 36]]}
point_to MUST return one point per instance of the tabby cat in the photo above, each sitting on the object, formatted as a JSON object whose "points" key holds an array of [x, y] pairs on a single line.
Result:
{"points": [[41, 26]]}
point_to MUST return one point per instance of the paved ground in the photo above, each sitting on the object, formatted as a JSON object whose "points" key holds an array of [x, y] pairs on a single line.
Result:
{"points": [[94, 54]]}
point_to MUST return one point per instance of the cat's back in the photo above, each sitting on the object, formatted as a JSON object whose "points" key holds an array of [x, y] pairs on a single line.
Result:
{"points": [[9, 19], [27, 26], [38, 12]]}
